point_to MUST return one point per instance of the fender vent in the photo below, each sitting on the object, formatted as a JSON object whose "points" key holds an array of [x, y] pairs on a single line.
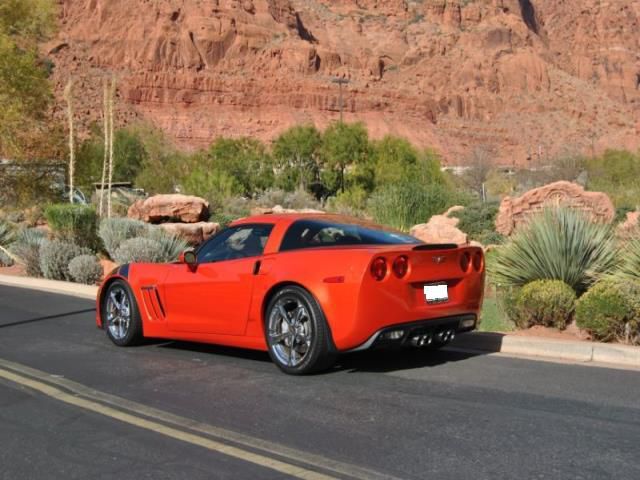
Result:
{"points": [[152, 303]]}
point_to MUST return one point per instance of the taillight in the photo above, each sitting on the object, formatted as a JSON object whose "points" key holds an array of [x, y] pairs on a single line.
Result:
{"points": [[400, 266], [379, 268], [465, 261], [478, 261]]}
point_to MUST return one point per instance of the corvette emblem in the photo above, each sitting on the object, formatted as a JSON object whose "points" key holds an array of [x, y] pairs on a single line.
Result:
{"points": [[439, 259]]}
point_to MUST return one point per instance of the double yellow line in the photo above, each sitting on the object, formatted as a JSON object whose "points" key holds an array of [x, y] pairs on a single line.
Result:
{"points": [[292, 462]]}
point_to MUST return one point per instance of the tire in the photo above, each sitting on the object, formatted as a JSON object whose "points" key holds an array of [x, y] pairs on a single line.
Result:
{"points": [[122, 329], [313, 348]]}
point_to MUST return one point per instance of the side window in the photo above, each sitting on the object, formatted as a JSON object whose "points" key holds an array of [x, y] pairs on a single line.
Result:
{"points": [[236, 242]]}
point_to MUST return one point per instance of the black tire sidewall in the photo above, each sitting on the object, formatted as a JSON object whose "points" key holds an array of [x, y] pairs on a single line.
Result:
{"points": [[134, 334], [321, 355]]}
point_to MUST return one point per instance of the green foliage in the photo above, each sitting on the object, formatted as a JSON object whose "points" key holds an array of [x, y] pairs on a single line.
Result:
{"points": [[169, 245], [345, 145], [559, 244], [478, 221], [55, 256], [298, 199], [214, 185], [549, 303], [73, 223], [5, 259], [353, 201], [25, 93], [85, 269], [6, 234], [114, 231], [296, 155], [629, 267], [405, 204], [129, 155], [616, 172], [26, 247], [139, 249], [163, 165], [610, 310]]}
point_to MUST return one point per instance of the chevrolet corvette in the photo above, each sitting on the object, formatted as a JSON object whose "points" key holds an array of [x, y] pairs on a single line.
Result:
{"points": [[304, 287]]}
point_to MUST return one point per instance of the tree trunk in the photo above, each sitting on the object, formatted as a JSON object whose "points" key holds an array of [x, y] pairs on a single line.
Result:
{"points": [[105, 157], [112, 93], [68, 96]]}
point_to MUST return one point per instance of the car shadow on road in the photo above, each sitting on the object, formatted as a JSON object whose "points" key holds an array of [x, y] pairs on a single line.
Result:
{"points": [[48, 317], [391, 360]]}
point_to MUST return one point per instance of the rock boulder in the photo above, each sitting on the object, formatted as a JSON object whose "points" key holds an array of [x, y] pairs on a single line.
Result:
{"points": [[194, 233], [168, 208], [441, 229], [516, 211]]}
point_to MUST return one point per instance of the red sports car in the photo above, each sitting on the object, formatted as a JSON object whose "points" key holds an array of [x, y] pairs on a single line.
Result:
{"points": [[304, 287]]}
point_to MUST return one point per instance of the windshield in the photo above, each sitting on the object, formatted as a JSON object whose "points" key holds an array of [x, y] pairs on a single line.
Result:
{"points": [[323, 233]]}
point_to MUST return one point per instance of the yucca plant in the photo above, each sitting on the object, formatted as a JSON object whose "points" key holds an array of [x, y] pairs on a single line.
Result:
{"points": [[114, 231], [558, 244], [629, 268], [6, 238], [26, 247], [170, 246]]}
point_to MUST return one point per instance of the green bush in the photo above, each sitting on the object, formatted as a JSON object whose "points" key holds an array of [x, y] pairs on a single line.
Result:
{"points": [[73, 223], [139, 249], [610, 310], [559, 244], [85, 269], [549, 303], [114, 231], [26, 247], [55, 256], [478, 221], [406, 204], [616, 172]]}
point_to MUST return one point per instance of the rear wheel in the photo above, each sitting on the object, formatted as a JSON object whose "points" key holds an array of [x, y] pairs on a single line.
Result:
{"points": [[297, 334], [120, 315]]}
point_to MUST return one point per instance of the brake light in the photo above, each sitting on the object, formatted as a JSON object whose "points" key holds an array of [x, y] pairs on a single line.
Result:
{"points": [[478, 261], [465, 261], [379, 268], [400, 266]]}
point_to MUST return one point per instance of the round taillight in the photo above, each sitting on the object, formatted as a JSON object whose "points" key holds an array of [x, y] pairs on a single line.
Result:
{"points": [[379, 268], [478, 261], [400, 266], [465, 261]]}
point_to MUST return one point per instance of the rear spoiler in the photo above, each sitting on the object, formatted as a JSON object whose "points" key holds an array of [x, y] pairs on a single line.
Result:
{"points": [[436, 246]]}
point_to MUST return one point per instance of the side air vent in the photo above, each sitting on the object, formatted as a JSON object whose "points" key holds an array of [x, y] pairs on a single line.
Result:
{"points": [[152, 303]]}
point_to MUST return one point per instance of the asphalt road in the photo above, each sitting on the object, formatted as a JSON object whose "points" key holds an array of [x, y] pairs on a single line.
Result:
{"points": [[72, 405]]}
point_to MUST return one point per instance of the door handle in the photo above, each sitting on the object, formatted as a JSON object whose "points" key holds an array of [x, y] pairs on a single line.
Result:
{"points": [[256, 267]]}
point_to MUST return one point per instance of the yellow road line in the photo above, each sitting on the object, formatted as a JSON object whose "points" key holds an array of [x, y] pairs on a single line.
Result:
{"points": [[231, 451]]}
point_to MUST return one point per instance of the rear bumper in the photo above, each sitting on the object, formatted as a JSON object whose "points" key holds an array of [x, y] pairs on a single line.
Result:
{"points": [[457, 323]]}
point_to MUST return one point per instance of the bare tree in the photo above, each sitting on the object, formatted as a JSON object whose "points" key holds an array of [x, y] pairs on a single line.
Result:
{"points": [[112, 94], [68, 96], [479, 166], [105, 123]]}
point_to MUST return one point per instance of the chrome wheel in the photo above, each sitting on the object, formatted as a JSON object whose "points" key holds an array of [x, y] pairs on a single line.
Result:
{"points": [[290, 331], [118, 310]]}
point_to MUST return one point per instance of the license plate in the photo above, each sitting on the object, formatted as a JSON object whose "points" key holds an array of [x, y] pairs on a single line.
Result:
{"points": [[436, 293]]}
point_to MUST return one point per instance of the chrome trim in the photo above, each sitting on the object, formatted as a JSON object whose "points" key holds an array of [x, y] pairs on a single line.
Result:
{"points": [[368, 343]]}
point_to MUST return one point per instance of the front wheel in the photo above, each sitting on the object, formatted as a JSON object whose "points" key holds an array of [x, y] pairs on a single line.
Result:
{"points": [[297, 334], [120, 315]]}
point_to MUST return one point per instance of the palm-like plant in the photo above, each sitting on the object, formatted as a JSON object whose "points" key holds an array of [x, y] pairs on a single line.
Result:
{"points": [[559, 244], [629, 268], [6, 238]]}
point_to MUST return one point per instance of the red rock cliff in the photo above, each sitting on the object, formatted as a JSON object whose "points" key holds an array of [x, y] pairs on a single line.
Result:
{"points": [[532, 78]]}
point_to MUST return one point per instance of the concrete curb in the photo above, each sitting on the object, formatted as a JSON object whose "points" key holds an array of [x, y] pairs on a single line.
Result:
{"points": [[622, 355], [53, 286]]}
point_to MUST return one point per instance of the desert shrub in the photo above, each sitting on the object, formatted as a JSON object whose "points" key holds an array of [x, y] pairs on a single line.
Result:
{"points": [[353, 201], [5, 259], [616, 173], [403, 205], [139, 249], [549, 303], [629, 267], [55, 256], [85, 269], [73, 223], [6, 233], [169, 245], [298, 199], [478, 221], [114, 231], [610, 310], [26, 246], [559, 244]]}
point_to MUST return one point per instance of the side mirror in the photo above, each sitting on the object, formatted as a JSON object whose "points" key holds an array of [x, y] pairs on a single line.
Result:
{"points": [[189, 258]]}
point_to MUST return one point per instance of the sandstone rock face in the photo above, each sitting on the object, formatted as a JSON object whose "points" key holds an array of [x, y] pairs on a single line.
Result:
{"points": [[441, 229], [279, 209], [516, 211], [166, 208], [194, 233], [526, 78]]}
